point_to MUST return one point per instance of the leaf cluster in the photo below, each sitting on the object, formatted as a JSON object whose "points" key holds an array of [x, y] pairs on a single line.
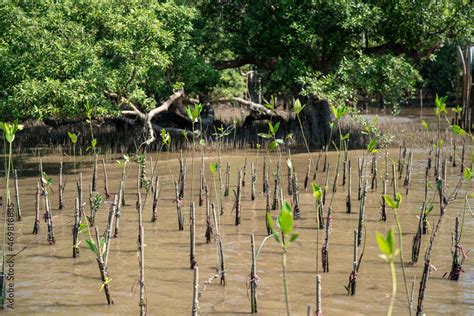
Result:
{"points": [[284, 226], [387, 245]]}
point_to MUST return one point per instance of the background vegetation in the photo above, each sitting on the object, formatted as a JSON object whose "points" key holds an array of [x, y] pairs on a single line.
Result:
{"points": [[57, 57]]}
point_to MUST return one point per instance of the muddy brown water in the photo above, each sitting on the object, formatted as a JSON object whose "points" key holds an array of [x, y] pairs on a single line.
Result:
{"points": [[49, 281]]}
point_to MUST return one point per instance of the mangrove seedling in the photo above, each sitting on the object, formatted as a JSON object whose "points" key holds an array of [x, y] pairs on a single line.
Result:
{"points": [[318, 194], [272, 130], [220, 133], [98, 248], [9, 131], [457, 251], [193, 114], [73, 137], [394, 203], [284, 237], [165, 138], [298, 108], [96, 202], [387, 247], [144, 181]]}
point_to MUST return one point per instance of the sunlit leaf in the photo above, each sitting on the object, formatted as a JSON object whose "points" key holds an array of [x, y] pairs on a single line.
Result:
{"points": [[214, 167], [297, 106], [424, 124], [73, 137], [382, 243], [468, 174], [391, 241], [317, 191], [263, 135], [285, 219], [273, 145], [458, 130], [90, 244], [392, 203], [371, 146]]}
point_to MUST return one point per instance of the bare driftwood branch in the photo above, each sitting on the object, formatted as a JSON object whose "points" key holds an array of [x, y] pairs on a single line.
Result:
{"points": [[252, 105]]}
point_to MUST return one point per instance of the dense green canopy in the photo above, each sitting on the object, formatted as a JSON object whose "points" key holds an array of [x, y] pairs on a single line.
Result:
{"points": [[57, 56]]}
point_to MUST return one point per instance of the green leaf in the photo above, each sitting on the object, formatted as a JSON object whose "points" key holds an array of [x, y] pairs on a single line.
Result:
{"points": [[468, 174], [214, 167], [391, 241], [457, 109], [293, 237], [276, 128], [334, 110], [271, 225], [440, 105], [429, 208], [424, 124], [399, 199], [371, 146], [317, 191], [270, 106], [297, 106], [285, 219], [263, 135], [345, 136], [382, 243], [189, 112], [277, 238], [73, 137], [102, 242], [9, 130], [82, 228], [93, 142], [390, 202], [458, 130], [271, 128], [90, 244], [165, 137], [273, 145]]}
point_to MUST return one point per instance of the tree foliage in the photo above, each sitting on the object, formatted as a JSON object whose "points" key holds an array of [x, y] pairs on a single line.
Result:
{"points": [[57, 56], [323, 45]]}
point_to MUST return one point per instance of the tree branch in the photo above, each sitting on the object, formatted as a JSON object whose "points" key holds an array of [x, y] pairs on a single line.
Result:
{"points": [[126, 112], [133, 107], [164, 107], [252, 105], [149, 116]]}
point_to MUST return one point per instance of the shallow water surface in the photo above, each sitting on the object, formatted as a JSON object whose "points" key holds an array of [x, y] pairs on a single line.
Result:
{"points": [[49, 281]]}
